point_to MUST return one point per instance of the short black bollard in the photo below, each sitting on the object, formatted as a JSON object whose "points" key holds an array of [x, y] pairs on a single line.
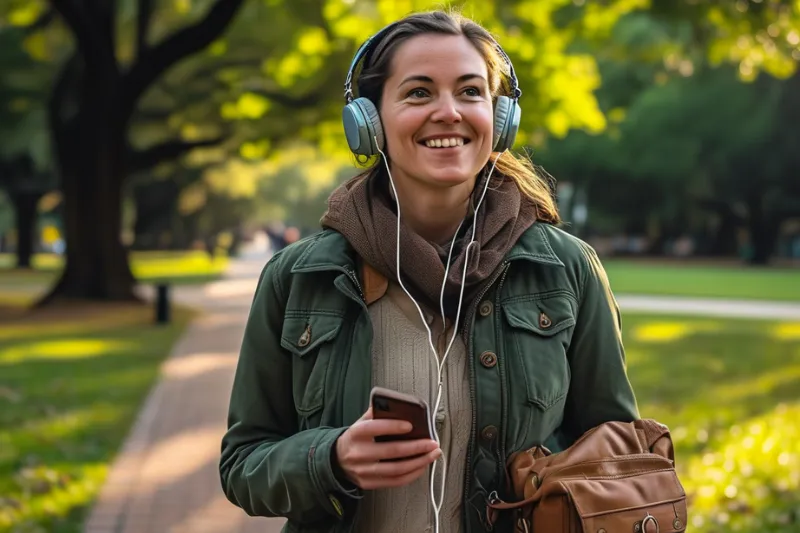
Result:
{"points": [[162, 304]]}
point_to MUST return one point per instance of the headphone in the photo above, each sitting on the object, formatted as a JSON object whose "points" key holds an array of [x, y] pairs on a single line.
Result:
{"points": [[362, 123]]}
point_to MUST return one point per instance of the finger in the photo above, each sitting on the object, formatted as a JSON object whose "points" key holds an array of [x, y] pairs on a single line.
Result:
{"points": [[390, 482], [401, 449], [404, 467], [366, 416], [376, 428]]}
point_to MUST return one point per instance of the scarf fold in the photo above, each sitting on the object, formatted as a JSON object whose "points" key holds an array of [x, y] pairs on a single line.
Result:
{"points": [[364, 212]]}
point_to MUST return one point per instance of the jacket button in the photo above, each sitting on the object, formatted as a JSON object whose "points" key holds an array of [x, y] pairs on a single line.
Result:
{"points": [[486, 308], [488, 359], [489, 433], [544, 321], [305, 338]]}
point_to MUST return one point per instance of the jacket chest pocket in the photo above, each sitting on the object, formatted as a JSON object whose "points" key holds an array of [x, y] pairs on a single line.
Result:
{"points": [[538, 333], [310, 337]]}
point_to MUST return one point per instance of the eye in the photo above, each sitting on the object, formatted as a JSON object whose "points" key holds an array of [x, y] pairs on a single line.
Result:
{"points": [[473, 91], [417, 93]]}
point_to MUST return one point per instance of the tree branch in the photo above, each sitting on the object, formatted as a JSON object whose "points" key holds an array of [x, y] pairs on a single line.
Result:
{"points": [[149, 157], [44, 20], [145, 15], [158, 59], [291, 102], [78, 21]]}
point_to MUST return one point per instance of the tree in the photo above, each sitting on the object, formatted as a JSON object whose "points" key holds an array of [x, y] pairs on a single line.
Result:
{"points": [[90, 110]]}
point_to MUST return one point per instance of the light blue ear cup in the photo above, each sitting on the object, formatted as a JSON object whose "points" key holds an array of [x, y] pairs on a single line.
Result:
{"points": [[507, 114], [362, 125]]}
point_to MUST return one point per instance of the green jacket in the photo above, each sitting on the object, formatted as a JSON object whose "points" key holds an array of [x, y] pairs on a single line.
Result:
{"points": [[556, 369]]}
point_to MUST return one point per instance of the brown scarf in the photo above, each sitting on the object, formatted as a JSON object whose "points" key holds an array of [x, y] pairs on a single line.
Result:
{"points": [[363, 211]]}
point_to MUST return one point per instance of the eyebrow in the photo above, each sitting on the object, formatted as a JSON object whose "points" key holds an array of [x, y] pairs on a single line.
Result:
{"points": [[427, 79]]}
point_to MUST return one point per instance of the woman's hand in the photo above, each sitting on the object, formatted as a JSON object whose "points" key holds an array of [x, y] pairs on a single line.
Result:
{"points": [[378, 465]]}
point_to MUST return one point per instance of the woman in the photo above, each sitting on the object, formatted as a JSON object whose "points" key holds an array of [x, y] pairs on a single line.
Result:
{"points": [[519, 346]]}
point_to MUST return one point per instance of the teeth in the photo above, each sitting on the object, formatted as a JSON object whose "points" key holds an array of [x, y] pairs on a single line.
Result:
{"points": [[444, 143]]}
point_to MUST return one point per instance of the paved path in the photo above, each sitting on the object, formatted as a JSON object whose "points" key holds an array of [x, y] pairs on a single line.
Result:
{"points": [[710, 307], [165, 480]]}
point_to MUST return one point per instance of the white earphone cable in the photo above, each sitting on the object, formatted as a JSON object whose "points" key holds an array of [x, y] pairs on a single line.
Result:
{"points": [[439, 364]]}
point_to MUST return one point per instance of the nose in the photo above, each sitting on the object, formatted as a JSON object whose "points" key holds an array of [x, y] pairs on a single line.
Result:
{"points": [[446, 111]]}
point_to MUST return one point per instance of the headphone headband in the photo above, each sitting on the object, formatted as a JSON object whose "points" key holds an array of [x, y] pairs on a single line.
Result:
{"points": [[362, 51]]}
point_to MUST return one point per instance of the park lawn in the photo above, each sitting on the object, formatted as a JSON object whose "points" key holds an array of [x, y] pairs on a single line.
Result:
{"points": [[676, 279], [728, 389], [69, 391], [21, 287]]}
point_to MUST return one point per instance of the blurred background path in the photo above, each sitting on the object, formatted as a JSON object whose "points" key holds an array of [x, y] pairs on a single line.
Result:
{"points": [[165, 480]]}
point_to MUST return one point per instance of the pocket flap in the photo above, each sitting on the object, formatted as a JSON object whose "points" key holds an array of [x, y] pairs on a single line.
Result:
{"points": [[619, 504], [544, 317], [301, 334]]}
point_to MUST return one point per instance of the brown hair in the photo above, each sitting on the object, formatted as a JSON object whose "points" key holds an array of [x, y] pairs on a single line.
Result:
{"points": [[377, 68]]}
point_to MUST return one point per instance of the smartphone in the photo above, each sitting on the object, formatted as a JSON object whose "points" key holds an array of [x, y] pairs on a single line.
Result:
{"points": [[393, 405]]}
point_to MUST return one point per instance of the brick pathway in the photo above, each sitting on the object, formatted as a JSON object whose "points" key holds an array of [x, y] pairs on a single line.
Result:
{"points": [[165, 480]]}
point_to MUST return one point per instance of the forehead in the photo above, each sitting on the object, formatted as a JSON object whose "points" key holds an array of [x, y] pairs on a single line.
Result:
{"points": [[437, 56]]}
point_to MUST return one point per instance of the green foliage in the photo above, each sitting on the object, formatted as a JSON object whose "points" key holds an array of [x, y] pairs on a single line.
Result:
{"points": [[726, 389]]}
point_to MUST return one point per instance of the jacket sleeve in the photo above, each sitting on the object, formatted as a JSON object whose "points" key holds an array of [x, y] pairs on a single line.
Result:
{"points": [[599, 389], [267, 467]]}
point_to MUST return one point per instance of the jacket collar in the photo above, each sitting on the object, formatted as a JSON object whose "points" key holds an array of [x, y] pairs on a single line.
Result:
{"points": [[331, 251], [534, 246]]}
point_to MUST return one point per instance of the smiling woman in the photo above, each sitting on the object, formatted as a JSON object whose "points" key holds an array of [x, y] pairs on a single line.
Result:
{"points": [[439, 274]]}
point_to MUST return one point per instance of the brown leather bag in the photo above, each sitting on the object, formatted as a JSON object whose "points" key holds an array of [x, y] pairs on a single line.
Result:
{"points": [[618, 477]]}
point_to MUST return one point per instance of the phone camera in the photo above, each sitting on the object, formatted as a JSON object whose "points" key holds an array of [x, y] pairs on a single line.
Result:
{"points": [[381, 404]]}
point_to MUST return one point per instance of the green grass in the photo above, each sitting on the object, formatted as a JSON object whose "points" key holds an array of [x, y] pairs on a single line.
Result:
{"points": [[69, 391], [728, 389], [21, 287], [632, 277]]}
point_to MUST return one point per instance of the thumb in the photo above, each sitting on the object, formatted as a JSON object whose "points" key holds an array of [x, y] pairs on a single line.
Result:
{"points": [[366, 416]]}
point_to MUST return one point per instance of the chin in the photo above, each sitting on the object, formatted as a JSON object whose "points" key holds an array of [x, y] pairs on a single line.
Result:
{"points": [[450, 177]]}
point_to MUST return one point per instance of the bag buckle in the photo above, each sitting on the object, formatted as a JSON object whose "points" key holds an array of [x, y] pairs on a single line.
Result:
{"points": [[641, 527]]}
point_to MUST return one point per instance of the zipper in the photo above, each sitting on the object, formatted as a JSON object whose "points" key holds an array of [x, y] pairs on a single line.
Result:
{"points": [[503, 381], [468, 323], [352, 275]]}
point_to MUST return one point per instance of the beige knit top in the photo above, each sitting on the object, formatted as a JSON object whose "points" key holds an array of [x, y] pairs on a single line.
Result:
{"points": [[402, 361]]}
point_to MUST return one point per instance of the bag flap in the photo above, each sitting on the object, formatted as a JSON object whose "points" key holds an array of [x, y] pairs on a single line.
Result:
{"points": [[596, 497]]}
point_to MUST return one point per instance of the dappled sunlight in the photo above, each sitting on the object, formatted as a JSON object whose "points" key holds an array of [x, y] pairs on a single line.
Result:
{"points": [[62, 349], [230, 287], [749, 477], [52, 493], [728, 390], [57, 426], [760, 384], [197, 364], [179, 456], [145, 266], [104, 318], [788, 331], [672, 331]]}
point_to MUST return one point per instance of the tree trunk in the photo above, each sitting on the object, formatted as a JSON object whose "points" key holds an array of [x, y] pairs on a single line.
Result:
{"points": [[763, 233], [25, 208], [90, 150]]}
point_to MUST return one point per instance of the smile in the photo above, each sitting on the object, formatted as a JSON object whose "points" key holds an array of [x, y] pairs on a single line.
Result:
{"points": [[447, 142]]}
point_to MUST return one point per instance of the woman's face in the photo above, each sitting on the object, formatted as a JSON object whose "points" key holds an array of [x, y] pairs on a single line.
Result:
{"points": [[436, 112]]}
